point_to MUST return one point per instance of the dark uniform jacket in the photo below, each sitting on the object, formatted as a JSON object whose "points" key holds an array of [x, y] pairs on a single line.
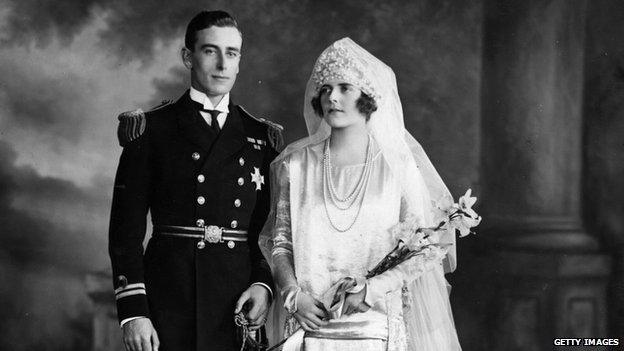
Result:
{"points": [[174, 166]]}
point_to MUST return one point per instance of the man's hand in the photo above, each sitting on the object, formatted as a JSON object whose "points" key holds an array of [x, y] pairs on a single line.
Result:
{"points": [[256, 301], [354, 303], [140, 335]]}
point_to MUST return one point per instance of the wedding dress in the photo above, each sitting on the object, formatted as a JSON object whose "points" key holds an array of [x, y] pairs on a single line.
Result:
{"points": [[410, 307]]}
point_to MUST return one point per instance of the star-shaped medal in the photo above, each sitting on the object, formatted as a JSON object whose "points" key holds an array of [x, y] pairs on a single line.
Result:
{"points": [[257, 178]]}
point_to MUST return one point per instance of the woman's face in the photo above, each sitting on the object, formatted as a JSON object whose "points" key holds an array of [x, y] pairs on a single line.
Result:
{"points": [[338, 101]]}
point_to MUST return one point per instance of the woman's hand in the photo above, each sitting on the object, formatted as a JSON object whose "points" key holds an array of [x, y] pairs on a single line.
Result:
{"points": [[310, 312], [354, 303]]}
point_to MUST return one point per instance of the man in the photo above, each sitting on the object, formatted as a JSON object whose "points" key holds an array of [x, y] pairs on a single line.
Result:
{"points": [[200, 166]]}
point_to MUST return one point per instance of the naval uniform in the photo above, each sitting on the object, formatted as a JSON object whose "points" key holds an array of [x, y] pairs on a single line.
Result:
{"points": [[208, 195]]}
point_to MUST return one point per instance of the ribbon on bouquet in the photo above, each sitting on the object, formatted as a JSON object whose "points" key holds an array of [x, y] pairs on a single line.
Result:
{"points": [[333, 298]]}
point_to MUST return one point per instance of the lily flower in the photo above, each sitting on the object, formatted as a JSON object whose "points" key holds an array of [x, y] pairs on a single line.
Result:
{"points": [[465, 204]]}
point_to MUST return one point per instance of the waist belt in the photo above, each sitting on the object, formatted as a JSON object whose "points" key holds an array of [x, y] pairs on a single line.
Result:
{"points": [[209, 233]]}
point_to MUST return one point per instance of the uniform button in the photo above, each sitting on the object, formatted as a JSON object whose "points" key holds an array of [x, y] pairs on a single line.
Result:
{"points": [[237, 203], [231, 244], [201, 245], [195, 156], [241, 181], [201, 178], [234, 224], [200, 222], [241, 161], [201, 200]]}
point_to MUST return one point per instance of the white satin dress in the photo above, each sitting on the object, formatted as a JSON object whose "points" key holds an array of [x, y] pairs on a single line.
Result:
{"points": [[322, 255]]}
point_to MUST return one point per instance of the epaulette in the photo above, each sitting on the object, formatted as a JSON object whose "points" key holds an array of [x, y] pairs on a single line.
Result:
{"points": [[274, 130], [132, 124]]}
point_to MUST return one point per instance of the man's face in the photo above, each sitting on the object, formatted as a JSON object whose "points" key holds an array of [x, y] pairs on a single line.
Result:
{"points": [[214, 60]]}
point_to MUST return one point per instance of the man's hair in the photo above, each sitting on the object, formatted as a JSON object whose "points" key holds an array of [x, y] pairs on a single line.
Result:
{"points": [[365, 104], [206, 19]]}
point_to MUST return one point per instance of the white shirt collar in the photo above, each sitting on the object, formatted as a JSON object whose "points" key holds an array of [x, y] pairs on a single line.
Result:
{"points": [[201, 98]]}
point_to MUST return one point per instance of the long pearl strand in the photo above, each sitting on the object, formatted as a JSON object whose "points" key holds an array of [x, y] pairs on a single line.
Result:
{"points": [[357, 195]]}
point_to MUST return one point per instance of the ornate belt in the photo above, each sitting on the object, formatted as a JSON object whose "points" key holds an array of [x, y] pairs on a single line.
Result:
{"points": [[208, 234]]}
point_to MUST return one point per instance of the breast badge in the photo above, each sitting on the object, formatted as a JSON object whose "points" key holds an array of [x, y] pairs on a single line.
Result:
{"points": [[257, 178]]}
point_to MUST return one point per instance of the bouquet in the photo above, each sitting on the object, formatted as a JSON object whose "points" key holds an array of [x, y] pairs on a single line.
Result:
{"points": [[414, 241]]}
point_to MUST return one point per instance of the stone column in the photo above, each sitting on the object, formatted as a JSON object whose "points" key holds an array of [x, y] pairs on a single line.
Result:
{"points": [[550, 276], [604, 150]]}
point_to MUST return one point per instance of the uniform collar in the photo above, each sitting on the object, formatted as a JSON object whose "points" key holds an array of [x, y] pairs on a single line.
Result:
{"points": [[192, 126], [202, 99]]}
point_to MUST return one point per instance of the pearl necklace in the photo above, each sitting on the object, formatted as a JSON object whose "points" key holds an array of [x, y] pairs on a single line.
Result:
{"points": [[346, 202], [357, 195]]}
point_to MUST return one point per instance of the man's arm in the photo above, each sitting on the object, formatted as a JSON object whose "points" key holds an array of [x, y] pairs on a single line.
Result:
{"points": [[128, 219], [260, 292], [260, 270]]}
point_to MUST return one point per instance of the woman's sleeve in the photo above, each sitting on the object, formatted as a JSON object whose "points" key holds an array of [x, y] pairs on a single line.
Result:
{"points": [[282, 234], [276, 236], [276, 244], [414, 204]]}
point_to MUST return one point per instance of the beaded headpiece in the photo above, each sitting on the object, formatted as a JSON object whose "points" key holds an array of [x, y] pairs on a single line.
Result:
{"points": [[340, 62]]}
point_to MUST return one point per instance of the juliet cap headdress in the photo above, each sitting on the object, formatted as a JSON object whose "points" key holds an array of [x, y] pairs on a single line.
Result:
{"points": [[341, 63]]}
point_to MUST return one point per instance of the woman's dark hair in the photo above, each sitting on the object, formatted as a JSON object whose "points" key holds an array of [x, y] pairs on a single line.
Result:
{"points": [[206, 19], [365, 104]]}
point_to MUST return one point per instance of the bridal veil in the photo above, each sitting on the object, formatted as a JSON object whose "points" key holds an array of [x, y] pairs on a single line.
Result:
{"points": [[426, 312]]}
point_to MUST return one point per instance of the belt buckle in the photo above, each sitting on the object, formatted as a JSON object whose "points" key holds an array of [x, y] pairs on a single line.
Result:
{"points": [[213, 234]]}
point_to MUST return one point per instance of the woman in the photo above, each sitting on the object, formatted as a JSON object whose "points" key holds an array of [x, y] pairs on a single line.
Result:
{"points": [[335, 196]]}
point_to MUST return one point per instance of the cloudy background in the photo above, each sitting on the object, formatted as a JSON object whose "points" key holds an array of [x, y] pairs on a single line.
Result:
{"points": [[62, 85]]}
